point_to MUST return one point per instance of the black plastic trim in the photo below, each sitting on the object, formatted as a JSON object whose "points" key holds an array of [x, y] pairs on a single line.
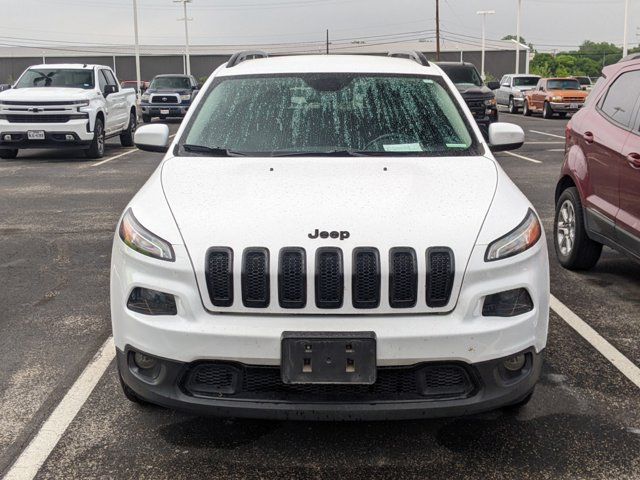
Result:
{"points": [[302, 302], [337, 303], [256, 302], [441, 302], [393, 302], [355, 283], [220, 302]]}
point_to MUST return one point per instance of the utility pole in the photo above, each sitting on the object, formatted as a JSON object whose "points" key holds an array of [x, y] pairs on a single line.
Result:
{"points": [[327, 41], [484, 14], [626, 22], [186, 34], [437, 30], [137, 43], [518, 37]]}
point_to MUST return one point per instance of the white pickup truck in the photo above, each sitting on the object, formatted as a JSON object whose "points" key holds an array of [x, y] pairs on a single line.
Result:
{"points": [[66, 106]]}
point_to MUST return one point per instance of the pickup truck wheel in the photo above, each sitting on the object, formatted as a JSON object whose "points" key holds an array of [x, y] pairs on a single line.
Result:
{"points": [[146, 119], [9, 154], [574, 249], [126, 137], [512, 106], [547, 112], [96, 149], [526, 111]]}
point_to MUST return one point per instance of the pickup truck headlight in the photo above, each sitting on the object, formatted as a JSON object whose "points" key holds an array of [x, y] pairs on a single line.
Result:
{"points": [[186, 97], [145, 97], [521, 238], [135, 236], [490, 102], [556, 99], [518, 94]]}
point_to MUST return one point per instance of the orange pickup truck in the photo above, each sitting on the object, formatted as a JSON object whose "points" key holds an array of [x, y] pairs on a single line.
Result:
{"points": [[554, 95]]}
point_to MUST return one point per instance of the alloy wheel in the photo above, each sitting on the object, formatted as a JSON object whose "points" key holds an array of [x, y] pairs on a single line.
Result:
{"points": [[566, 231]]}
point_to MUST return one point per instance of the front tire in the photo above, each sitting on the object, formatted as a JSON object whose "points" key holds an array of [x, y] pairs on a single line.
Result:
{"points": [[126, 137], [574, 249], [96, 149], [526, 111], [9, 154], [547, 111], [512, 106]]}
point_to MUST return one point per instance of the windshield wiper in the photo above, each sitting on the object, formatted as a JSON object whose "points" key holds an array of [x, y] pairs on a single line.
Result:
{"points": [[322, 153], [211, 151]]}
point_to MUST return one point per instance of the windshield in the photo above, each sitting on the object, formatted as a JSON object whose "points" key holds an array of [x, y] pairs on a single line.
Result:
{"points": [[47, 77], [329, 113], [463, 74], [177, 83], [525, 81], [569, 84]]}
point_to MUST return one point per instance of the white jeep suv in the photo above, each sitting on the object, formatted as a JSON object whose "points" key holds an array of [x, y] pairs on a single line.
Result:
{"points": [[329, 237]]}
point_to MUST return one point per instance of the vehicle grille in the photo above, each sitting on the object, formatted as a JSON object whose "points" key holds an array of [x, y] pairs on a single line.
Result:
{"points": [[329, 277], [477, 107], [573, 99], [418, 382], [162, 99], [39, 118]]}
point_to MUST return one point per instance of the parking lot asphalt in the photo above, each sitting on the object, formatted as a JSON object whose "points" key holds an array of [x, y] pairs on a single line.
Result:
{"points": [[58, 213]]}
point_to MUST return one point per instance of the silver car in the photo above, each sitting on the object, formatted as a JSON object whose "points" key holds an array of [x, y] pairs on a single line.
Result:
{"points": [[512, 88]]}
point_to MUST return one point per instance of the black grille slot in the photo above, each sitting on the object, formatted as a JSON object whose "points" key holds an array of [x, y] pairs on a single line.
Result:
{"points": [[292, 278], [366, 278], [403, 277], [449, 381], [255, 278], [219, 275], [329, 278], [440, 274], [418, 382], [39, 118]]}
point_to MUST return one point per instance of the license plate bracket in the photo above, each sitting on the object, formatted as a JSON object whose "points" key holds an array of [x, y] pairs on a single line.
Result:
{"points": [[164, 112], [573, 106], [328, 358], [35, 135]]}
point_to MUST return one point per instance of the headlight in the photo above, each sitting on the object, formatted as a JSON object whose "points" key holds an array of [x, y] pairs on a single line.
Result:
{"points": [[490, 102], [556, 99], [145, 97], [522, 238], [142, 240], [518, 94], [185, 97]]}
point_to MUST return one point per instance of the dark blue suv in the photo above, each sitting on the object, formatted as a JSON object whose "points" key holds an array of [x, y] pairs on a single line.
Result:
{"points": [[168, 96]]}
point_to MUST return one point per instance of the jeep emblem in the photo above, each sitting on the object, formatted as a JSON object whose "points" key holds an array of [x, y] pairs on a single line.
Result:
{"points": [[342, 234]]}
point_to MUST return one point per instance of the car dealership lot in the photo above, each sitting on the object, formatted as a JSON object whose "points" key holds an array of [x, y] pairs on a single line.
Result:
{"points": [[58, 214]]}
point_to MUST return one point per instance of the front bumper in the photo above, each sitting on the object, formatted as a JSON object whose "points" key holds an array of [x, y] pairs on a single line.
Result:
{"points": [[493, 387], [518, 101], [55, 134], [565, 107], [156, 110]]}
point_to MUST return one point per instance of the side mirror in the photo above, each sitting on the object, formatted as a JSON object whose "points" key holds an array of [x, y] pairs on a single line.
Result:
{"points": [[493, 85], [109, 89], [505, 136], [153, 138]]}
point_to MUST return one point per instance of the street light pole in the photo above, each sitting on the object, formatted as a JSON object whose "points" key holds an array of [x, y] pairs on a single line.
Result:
{"points": [[186, 33], [518, 37], [626, 22], [135, 32], [484, 14]]}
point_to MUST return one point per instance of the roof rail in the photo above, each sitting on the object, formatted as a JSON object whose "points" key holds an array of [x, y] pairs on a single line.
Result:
{"points": [[240, 57], [628, 58], [411, 55]]}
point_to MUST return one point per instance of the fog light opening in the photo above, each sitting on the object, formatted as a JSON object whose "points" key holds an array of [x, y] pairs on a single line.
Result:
{"points": [[7, 138], [515, 363], [144, 362], [69, 138]]}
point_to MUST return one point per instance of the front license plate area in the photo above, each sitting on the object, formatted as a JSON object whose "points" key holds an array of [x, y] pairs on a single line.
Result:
{"points": [[35, 134], [328, 358], [164, 112], [574, 106]]}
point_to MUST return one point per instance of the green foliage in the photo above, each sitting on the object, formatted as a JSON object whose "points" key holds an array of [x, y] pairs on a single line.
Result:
{"points": [[588, 60]]}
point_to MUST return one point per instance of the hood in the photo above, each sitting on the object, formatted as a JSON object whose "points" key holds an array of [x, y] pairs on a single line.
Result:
{"points": [[46, 94], [474, 90], [278, 202]]}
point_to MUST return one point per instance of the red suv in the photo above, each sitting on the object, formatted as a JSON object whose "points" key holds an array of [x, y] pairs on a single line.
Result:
{"points": [[598, 195]]}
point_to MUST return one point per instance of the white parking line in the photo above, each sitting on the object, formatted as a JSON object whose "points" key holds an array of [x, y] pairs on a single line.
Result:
{"points": [[545, 133], [121, 155], [33, 457], [611, 353], [555, 150], [517, 155]]}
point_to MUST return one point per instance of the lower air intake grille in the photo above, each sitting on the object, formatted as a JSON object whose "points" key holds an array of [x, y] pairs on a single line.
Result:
{"points": [[219, 274], [440, 273], [419, 382], [366, 278], [403, 277], [255, 278], [292, 278], [329, 278]]}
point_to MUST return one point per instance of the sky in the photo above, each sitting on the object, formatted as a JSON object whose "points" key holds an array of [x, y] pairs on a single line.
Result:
{"points": [[548, 24]]}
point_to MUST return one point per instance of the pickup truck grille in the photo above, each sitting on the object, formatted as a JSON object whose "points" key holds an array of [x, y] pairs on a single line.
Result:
{"points": [[329, 278], [36, 118], [573, 99], [164, 99]]}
